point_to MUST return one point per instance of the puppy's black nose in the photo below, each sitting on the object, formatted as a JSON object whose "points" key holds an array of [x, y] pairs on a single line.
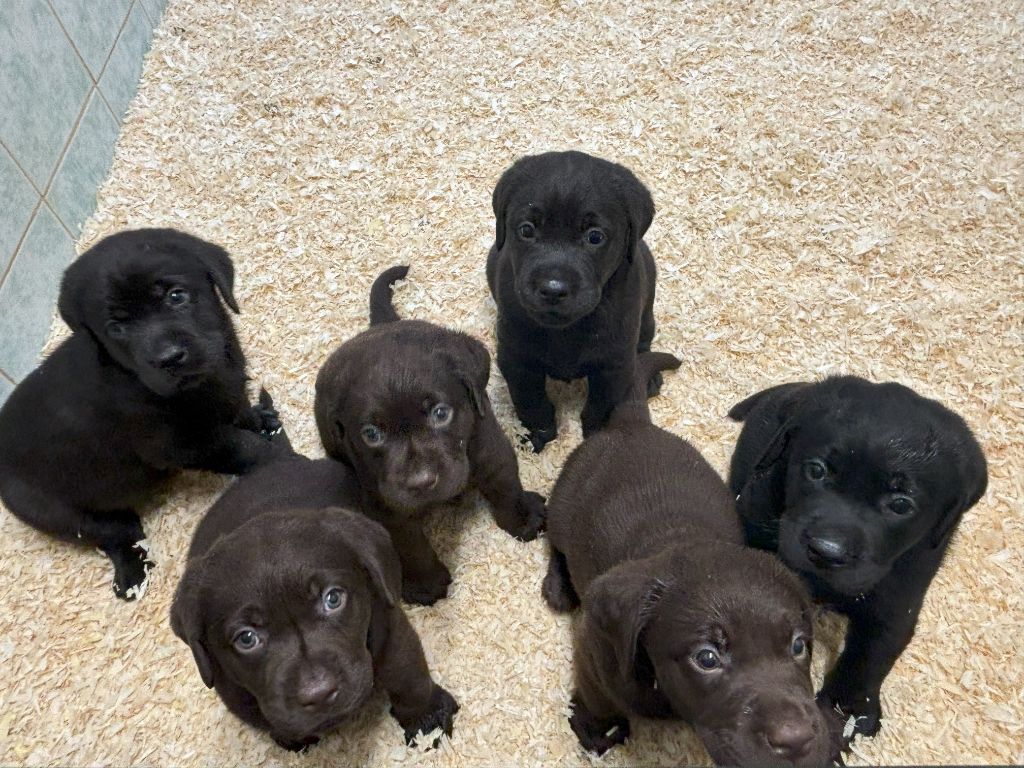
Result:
{"points": [[790, 738], [318, 690], [171, 356], [424, 480], [828, 553], [553, 291]]}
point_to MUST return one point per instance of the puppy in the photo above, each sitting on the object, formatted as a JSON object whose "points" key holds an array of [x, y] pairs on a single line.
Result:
{"points": [[573, 281], [680, 620], [291, 611], [858, 487], [152, 380], [405, 404]]}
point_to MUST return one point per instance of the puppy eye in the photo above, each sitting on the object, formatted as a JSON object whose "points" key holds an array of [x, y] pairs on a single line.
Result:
{"points": [[815, 470], [115, 329], [372, 436], [333, 599], [441, 415], [799, 648], [245, 640], [595, 236], [707, 660], [527, 231], [901, 505], [177, 297]]}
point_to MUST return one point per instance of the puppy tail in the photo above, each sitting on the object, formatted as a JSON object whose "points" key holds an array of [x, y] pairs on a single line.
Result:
{"points": [[381, 308], [633, 407]]}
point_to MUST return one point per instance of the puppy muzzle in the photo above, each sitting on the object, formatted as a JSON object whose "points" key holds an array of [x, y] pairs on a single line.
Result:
{"points": [[556, 292]]}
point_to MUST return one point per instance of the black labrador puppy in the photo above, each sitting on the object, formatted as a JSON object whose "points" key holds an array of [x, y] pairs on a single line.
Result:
{"points": [[859, 488], [152, 380], [291, 609], [405, 404], [680, 619], [573, 281]]}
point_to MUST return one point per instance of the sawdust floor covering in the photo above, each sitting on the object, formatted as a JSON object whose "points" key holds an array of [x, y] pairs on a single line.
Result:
{"points": [[838, 188]]}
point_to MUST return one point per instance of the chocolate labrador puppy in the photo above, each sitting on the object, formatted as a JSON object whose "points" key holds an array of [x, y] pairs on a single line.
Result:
{"points": [[152, 380], [291, 612], [858, 487], [680, 620], [573, 281], [405, 404]]}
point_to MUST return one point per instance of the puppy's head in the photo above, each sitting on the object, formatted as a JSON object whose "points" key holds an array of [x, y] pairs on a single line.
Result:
{"points": [[281, 607], [568, 221], [149, 298], [400, 403], [869, 472], [724, 633]]}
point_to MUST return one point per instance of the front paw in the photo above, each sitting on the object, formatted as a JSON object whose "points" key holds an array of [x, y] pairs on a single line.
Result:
{"points": [[654, 384], [538, 438], [440, 714], [597, 735], [295, 745], [533, 514], [428, 588], [266, 415], [131, 571], [859, 715]]}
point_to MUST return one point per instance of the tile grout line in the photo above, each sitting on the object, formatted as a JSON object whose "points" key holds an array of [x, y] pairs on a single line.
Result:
{"points": [[71, 42], [6, 376]]}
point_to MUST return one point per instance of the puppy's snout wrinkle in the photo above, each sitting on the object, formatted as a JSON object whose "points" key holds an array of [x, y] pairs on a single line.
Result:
{"points": [[316, 689]]}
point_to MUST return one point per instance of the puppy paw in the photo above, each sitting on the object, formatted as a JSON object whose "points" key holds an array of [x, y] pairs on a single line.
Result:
{"points": [[558, 591], [427, 589], [654, 384], [533, 514], [131, 571], [859, 716], [440, 714], [597, 735], [538, 438], [266, 415], [295, 745]]}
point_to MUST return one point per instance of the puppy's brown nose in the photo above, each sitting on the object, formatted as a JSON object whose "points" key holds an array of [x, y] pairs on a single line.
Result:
{"points": [[553, 291], [790, 738], [424, 480], [317, 690]]}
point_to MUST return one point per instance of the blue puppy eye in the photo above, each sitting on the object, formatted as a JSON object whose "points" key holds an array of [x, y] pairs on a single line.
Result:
{"points": [[115, 330], [707, 660], [799, 647], [901, 505], [527, 231], [815, 470], [333, 599], [441, 415], [372, 435], [595, 236], [246, 640], [177, 297]]}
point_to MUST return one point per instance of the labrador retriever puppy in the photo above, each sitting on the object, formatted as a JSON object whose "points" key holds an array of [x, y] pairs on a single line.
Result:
{"points": [[573, 281], [291, 612], [859, 488], [152, 380], [405, 405], [680, 620]]}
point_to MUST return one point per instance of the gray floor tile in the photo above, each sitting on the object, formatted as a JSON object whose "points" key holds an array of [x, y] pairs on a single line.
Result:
{"points": [[155, 9], [5, 389], [121, 77], [42, 86], [85, 165], [19, 200], [29, 294], [93, 27]]}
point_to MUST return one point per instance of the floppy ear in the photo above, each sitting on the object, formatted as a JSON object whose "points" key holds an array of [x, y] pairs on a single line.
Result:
{"points": [[187, 618], [371, 544], [77, 281], [619, 604], [639, 208], [757, 472], [971, 478], [472, 364], [501, 198], [331, 387], [219, 269]]}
